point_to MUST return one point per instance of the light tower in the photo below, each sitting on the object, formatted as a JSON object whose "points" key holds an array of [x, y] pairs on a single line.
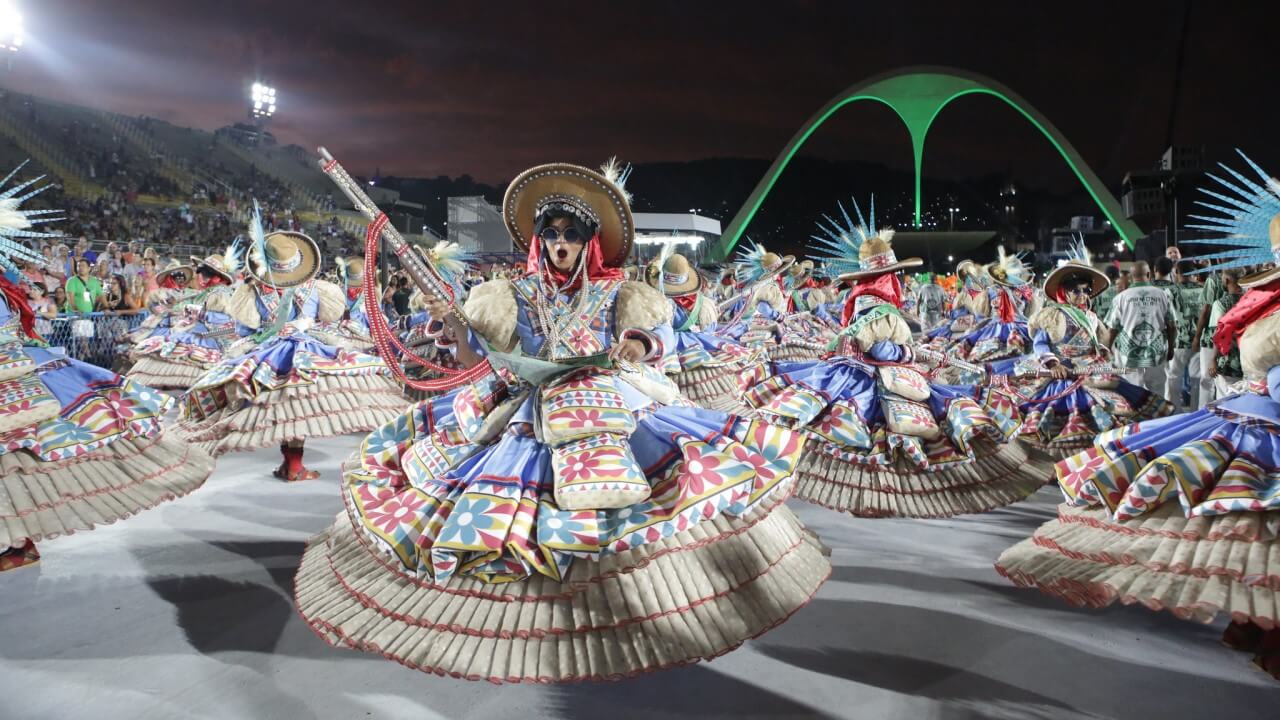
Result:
{"points": [[262, 105], [12, 31]]}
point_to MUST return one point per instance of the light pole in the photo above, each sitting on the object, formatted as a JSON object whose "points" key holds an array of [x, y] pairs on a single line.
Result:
{"points": [[12, 31], [262, 106]]}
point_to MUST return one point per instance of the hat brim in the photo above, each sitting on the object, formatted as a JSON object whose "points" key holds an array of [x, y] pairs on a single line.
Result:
{"points": [[997, 280], [1259, 278], [895, 267], [200, 262], [1062, 273], [520, 206], [188, 270], [688, 287], [307, 267]]}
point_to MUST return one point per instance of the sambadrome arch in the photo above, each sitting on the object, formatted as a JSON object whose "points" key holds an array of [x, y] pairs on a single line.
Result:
{"points": [[918, 95]]}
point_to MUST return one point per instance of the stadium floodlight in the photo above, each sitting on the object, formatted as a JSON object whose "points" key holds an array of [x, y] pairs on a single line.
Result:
{"points": [[11, 27], [263, 98]]}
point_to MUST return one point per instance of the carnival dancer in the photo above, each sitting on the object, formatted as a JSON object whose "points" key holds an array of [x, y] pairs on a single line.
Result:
{"points": [[79, 445], [192, 340], [709, 369], [970, 308], [757, 316], [1004, 333], [883, 440], [351, 330], [287, 387], [1182, 513], [566, 517], [1067, 392]]}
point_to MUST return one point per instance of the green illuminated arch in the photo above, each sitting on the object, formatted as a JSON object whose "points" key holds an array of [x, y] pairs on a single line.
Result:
{"points": [[918, 95]]}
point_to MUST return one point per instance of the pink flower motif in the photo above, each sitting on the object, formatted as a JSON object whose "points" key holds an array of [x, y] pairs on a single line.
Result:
{"points": [[699, 470], [585, 465], [394, 511], [586, 419], [581, 339], [832, 420]]}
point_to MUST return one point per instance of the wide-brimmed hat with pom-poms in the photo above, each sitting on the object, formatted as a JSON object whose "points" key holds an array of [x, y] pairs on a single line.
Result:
{"points": [[597, 198], [1008, 270], [854, 251], [673, 274], [281, 259], [755, 264], [227, 265], [1250, 226], [1078, 267]]}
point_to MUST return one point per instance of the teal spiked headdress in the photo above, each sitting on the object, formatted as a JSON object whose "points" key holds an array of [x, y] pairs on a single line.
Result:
{"points": [[856, 250], [754, 263], [16, 223], [1249, 223]]}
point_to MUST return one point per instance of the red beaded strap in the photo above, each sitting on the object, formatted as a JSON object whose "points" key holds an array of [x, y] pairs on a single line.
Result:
{"points": [[387, 343]]}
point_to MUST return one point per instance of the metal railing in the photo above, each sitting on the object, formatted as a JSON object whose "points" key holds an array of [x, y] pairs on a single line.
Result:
{"points": [[98, 338]]}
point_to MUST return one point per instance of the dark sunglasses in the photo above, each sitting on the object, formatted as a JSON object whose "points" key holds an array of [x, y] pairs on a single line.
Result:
{"points": [[570, 235]]}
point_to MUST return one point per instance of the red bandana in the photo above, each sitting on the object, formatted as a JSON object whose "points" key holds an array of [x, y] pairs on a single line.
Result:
{"points": [[1256, 304], [887, 287]]}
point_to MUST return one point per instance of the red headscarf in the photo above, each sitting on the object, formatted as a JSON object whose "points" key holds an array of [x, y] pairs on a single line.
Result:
{"points": [[17, 300], [595, 270], [1256, 304], [887, 287], [686, 301]]}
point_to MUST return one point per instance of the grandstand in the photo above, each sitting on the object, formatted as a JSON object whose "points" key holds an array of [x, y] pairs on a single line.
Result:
{"points": [[92, 152]]}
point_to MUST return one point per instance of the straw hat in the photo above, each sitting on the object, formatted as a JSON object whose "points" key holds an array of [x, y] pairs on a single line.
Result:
{"points": [[877, 258], [676, 278], [1266, 276], [968, 269], [174, 267], [1072, 270], [583, 192], [1007, 270], [804, 268], [214, 263], [286, 259]]}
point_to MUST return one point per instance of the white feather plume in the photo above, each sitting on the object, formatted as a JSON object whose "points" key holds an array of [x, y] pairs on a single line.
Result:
{"points": [[617, 173]]}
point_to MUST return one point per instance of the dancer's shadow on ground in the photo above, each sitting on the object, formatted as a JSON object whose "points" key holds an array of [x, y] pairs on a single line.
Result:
{"points": [[700, 691], [930, 653]]}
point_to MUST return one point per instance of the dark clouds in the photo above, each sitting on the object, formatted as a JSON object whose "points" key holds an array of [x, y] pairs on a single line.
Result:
{"points": [[487, 88]]}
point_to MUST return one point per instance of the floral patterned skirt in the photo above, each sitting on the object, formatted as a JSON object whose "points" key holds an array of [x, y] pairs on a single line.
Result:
{"points": [[1062, 417], [82, 446], [289, 388], [455, 557], [711, 370], [1179, 513], [876, 453]]}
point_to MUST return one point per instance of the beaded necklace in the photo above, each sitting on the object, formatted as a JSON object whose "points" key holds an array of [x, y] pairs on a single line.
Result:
{"points": [[544, 299]]}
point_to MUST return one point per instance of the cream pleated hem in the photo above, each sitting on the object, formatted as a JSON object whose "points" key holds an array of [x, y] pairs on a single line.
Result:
{"points": [[714, 388], [996, 478], [161, 374], [693, 596], [1195, 568], [795, 353], [41, 500], [332, 405]]}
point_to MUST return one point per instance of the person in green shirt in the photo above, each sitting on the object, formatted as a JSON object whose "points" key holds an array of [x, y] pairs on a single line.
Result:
{"points": [[82, 290], [1166, 280], [1209, 294], [1102, 303], [1225, 370]]}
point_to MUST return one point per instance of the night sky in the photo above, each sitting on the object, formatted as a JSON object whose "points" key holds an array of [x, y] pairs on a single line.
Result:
{"points": [[487, 88]]}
